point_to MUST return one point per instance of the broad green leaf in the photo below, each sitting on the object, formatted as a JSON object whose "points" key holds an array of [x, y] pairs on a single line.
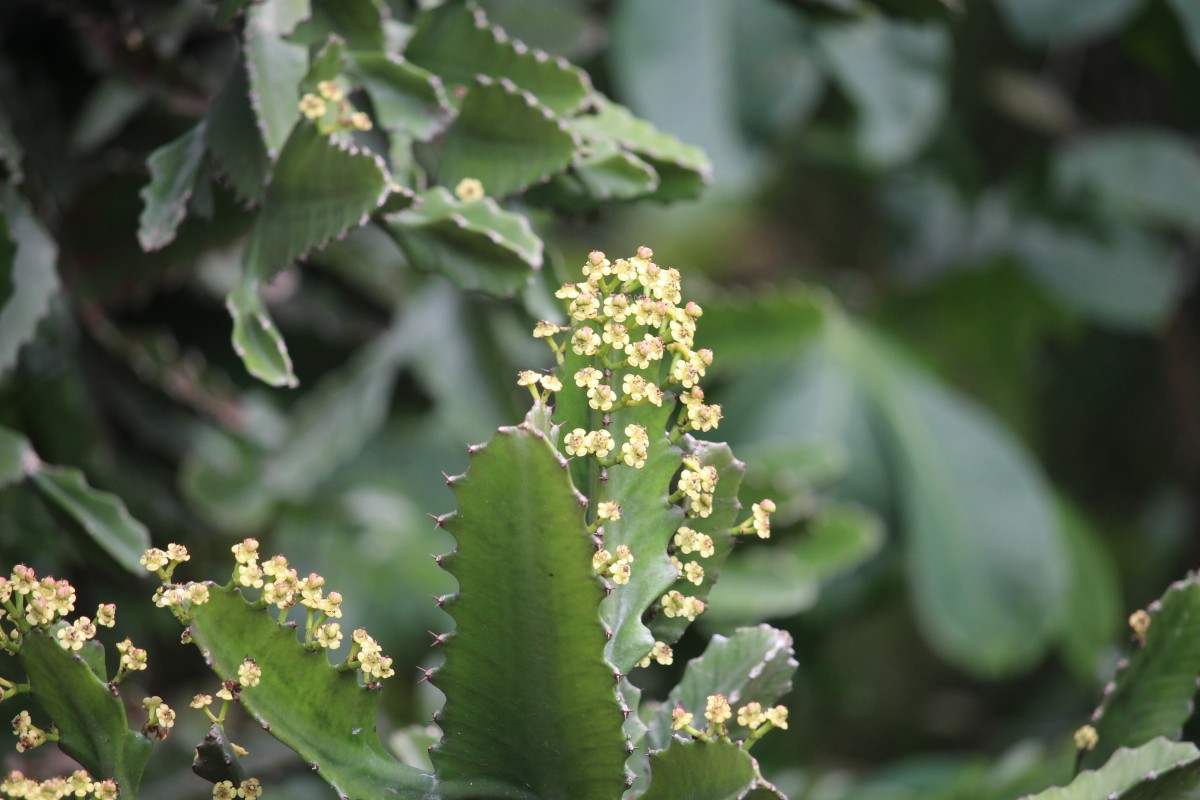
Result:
{"points": [[233, 138], [1152, 694], [986, 562], [1042, 22], [725, 512], [785, 578], [1179, 782], [1125, 770], [359, 23], [457, 42], [741, 327], [275, 67], [895, 74], [1121, 276], [478, 245], [14, 453], [526, 658], [1094, 601], [605, 174], [406, 98], [173, 171], [320, 189], [101, 514], [673, 62], [303, 701], [647, 524], [504, 138], [90, 718], [327, 64], [753, 665], [237, 486], [1189, 14], [1141, 174], [31, 260], [256, 340], [700, 771], [683, 169]]}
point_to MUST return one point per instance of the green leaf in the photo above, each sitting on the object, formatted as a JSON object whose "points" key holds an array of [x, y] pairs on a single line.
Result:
{"points": [[1122, 277], [986, 563], [233, 138], [683, 170], [173, 170], [1042, 22], [1094, 600], [320, 189], [700, 771], [605, 174], [237, 486], [786, 577], [14, 453], [1189, 15], [647, 523], [1176, 783], [357, 22], [753, 665], [101, 514], [527, 654], [303, 701], [894, 72], [406, 98], [457, 42], [724, 516], [1152, 694], [256, 340], [1141, 174], [275, 68], [1125, 770], [504, 138], [478, 245], [31, 261], [673, 62], [90, 718], [785, 319]]}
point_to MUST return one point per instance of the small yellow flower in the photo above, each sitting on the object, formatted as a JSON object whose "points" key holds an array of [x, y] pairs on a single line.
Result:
{"points": [[694, 572], [469, 190], [246, 551], [751, 715], [601, 397], [154, 559], [551, 383], [312, 107], [717, 711], [360, 121], [600, 442], [197, 594], [329, 635], [680, 718], [106, 615], [663, 654], [778, 716], [588, 377], [224, 790], [201, 701], [528, 378], [1086, 738], [250, 789], [544, 330], [609, 510], [178, 553], [330, 91], [575, 442], [601, 559], [249, 673]]}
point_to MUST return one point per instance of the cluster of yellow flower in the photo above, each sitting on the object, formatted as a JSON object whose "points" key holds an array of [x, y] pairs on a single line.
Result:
{"points": [[627, 318], [78, 785], [284, 588], [718, 712], [160, 717], [29, 735], [331, 97]]}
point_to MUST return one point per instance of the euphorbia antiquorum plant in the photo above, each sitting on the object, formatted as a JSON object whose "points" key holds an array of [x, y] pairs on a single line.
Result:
{"points": [[588, 537]]}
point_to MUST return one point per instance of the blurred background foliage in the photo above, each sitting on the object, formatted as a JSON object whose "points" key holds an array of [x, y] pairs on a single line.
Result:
{"points": [[947, 252]]}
